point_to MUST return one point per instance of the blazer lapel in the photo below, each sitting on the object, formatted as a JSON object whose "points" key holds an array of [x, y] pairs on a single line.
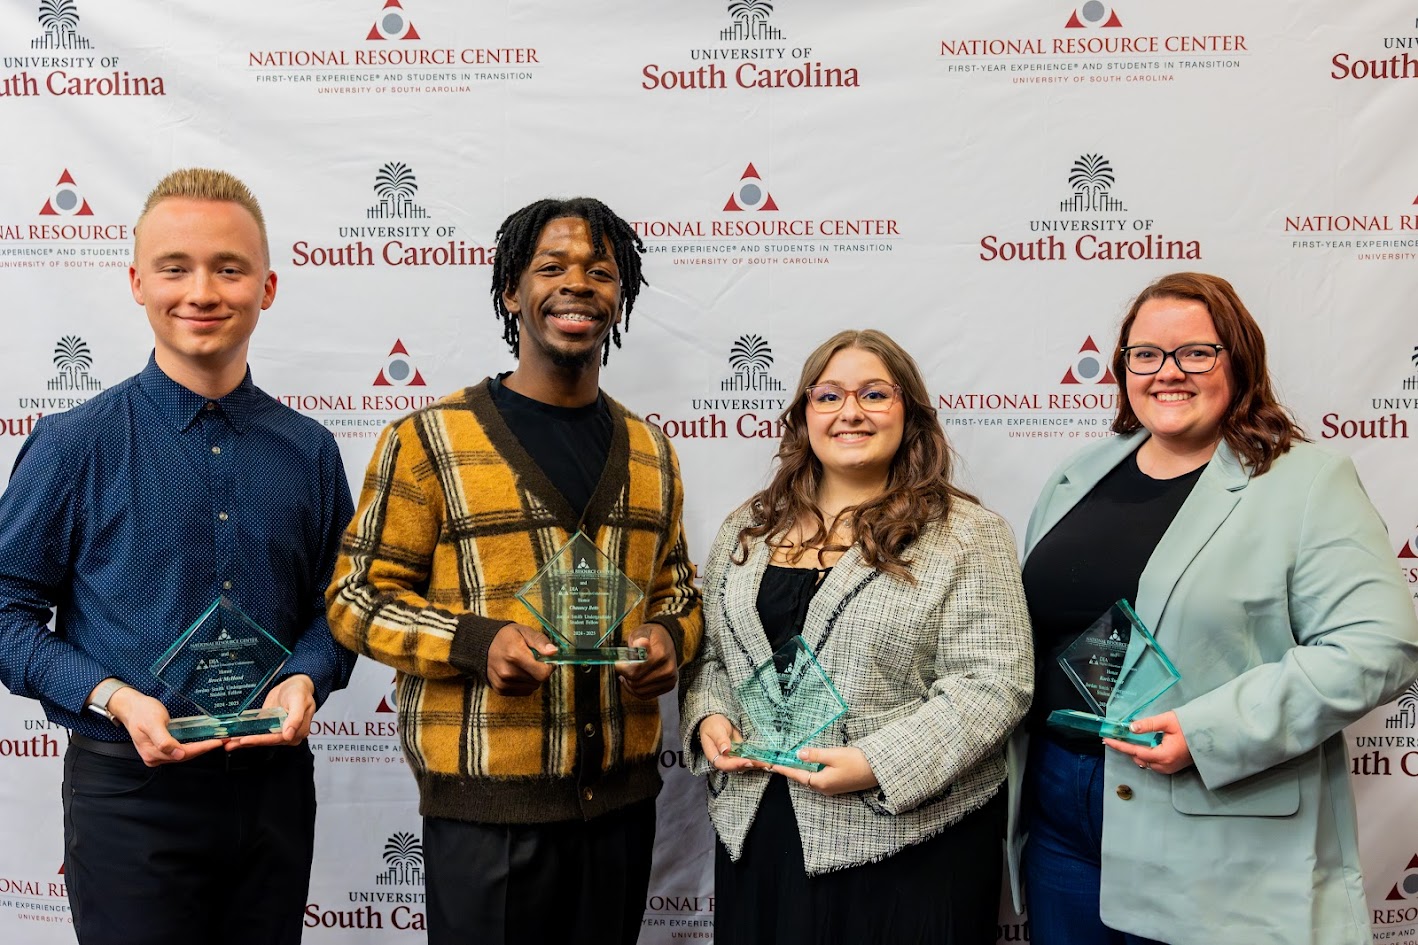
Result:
{"points": [[739, 601], [842, 583], [1211, 501], [1075, 481]]}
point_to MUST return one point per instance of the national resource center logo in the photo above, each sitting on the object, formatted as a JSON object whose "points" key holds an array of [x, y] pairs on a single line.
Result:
{"points": [[753, 416], [66, 200], [392, 23], [35, 900], [1062, 412], [1382, 58], [751, 193], [64, 232], [395, 231], [65, 63], [399, 370], [391, 57], [752, 229], [752, 52], [1368, 234], [1107, 231], [1089, 367], [1093, 15], [1089, 45], [60, 20]]}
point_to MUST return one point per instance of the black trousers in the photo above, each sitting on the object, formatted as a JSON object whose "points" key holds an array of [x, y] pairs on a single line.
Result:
{"points": [[581, 882], [215, 850]]}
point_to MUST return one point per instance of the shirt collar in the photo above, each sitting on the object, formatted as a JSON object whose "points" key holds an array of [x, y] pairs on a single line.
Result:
{"points": [[182, 406]]}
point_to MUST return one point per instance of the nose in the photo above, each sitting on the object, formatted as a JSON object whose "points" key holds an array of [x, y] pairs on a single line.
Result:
{"points": [[1171, 367], [851, 409], [574, 280], [202, 289]]}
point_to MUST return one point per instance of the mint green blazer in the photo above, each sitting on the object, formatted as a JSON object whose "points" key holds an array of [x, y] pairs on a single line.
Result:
{"points": [[1279, 600]]}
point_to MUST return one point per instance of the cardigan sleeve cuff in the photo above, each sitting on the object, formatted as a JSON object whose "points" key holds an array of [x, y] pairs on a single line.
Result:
{"points": [[468, 652]]}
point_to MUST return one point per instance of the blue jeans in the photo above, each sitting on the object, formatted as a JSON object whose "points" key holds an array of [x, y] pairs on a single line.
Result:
{"points": [[1063, 801]]}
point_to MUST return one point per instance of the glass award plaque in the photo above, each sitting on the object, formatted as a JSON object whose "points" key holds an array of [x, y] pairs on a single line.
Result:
{"points": [[581, 597], [787, 702], [1120, 670], [220, 665]]}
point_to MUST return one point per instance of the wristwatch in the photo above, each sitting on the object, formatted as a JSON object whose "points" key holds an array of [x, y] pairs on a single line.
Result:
{"points": [[98, 702]]}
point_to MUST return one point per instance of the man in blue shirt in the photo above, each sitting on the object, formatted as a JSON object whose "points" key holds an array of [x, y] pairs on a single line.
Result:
{"points": [[126, 518]]}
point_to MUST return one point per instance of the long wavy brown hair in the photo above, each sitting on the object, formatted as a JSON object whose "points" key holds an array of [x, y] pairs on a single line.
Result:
{"points": [[1256, 426], [918, 488]]}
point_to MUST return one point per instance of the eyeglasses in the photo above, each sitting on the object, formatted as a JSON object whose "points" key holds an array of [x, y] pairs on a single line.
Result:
{"points": [[1190, 359], [874, 398]]}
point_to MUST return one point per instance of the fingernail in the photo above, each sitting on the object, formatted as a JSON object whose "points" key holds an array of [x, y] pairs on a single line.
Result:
{"points": [[802, 754]]}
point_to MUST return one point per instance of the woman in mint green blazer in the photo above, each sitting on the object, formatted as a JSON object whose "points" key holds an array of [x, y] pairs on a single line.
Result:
{"points": [[1269, 579]]}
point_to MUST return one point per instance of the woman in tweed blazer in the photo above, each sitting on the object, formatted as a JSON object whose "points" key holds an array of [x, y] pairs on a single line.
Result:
{"points": [[908, 593]]}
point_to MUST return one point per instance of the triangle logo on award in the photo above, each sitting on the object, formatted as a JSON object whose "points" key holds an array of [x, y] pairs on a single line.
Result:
{"points": [[580, 597]]}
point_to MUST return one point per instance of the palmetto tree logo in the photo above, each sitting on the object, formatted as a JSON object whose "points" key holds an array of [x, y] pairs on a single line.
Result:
{"points": [[396, 186], [750, 21], [403, 854], [73, 359], [60, 19], [750, 357], [1407, 714], [1091, 178]]}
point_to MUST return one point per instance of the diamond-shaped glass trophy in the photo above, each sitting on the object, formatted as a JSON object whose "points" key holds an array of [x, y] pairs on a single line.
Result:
{"points": [[1120, 670], [787, 702], [581, 597], [220, 665]]}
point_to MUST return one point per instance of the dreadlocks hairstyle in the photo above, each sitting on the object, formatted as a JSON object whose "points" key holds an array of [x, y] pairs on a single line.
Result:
{"points": [[918, 485], [517, 240]]}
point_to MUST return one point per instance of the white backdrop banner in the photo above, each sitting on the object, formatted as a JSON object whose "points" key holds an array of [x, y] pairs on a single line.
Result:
{"points": [[990, 183]]}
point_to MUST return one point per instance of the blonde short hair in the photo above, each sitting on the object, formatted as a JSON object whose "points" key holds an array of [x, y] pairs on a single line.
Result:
{"points": [[202, 183]]}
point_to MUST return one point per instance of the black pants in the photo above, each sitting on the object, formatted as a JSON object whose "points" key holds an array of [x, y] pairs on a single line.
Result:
{"points": [[215, 850], [580, 882]]}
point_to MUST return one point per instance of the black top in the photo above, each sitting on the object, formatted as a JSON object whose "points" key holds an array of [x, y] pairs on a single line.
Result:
{"points": [[1092, 558], [570, 444], [783, 599]]}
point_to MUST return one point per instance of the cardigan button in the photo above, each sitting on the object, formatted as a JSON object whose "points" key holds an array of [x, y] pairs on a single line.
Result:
{"points": [[1124, 792], [588, 794], [589, 730]]}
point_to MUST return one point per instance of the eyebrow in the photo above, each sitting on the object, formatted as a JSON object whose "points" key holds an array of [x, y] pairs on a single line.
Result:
{"points": [[866, 383], [179, 256]]}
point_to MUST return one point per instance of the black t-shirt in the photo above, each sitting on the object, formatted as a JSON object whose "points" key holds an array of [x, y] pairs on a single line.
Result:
{"points": [[1092, 558], [570, 444]]}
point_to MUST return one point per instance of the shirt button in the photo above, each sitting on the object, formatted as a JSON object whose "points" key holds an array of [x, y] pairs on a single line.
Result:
{"points": [[226, 585], [216, 449], [588, 794], [211, 406], [222, 516], [1124, 792], [589, 730]]}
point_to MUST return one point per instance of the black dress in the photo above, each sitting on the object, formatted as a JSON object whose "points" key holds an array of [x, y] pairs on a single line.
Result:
{"points": [[940, 891]]}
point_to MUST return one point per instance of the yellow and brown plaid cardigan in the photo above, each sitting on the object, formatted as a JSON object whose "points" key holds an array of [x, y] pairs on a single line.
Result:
{"points": [[454, 517]]}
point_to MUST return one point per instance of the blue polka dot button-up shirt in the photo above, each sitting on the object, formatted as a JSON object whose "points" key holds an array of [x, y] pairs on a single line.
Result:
{"points": [[126, 517]]}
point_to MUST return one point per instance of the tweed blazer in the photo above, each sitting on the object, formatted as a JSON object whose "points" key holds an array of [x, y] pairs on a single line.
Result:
{"points": [[1279, 600], [935, 674]]}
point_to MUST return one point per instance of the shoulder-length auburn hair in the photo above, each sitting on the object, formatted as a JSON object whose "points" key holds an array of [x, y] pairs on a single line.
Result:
{"points": [[1256, 426], [918, 488]]}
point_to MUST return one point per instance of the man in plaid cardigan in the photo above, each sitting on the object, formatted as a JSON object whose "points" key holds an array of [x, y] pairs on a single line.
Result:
{"points": [[536, 782]]}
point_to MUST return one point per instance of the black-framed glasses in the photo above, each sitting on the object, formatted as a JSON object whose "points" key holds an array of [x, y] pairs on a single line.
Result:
{"points": [[873, 398], [1196, 358]]}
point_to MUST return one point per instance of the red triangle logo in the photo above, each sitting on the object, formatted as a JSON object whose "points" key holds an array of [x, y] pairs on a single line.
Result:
{"points": [[383, 380], [749, 172], [1407, 552], [384, 705], [409, 31], [1395, 893], [1113, 20], [398, 347], [1074, 23], [48, 209]]}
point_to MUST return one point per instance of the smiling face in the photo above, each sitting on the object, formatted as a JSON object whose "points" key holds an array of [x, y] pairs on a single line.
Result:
{"points": [[566, 300], [854, 443], [200, 271], [1183, 412]]}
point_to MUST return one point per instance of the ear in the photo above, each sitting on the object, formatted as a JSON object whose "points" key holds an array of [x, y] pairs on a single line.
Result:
{"points": [[509, 300], [135, 284], [268, 291]]}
